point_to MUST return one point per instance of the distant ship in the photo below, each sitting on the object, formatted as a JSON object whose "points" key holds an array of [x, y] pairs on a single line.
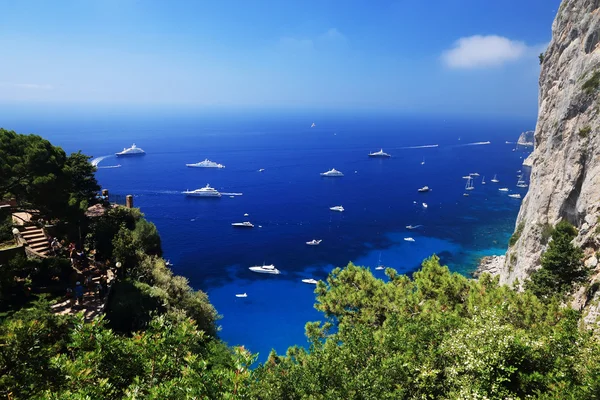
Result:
{"points": [[206, 191], [337, 208], [503, 189], [409, 239], [495, 179], [205, 164], [132, 151], [521, 183], [424, 189], [423, 162], [379, 154], [310, 281], [515, 196], [474, 174], [469, 185], [314, 242], [483, 181], [241, 295], [242, 225], [313, 125], [425, 205], [379, 266], [332, 173], [265, 269]]}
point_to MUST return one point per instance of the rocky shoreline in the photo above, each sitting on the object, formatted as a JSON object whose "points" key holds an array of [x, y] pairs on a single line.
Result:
{"points": [[491, 264]]}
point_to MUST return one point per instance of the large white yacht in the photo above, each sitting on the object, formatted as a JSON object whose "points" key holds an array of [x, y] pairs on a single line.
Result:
{"points": [[206, 191], [337, 208], [132, 151], [242, 225], [205, 164], [424, 189], [265, 269], [332, 172], [380, 154], [310, 281]]}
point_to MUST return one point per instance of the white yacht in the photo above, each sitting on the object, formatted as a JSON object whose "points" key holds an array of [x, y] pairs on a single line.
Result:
{"points": [[424, 189], [245, 215], [261, 170], [412, 226], [474, 174], [469, 185], [310, 281], [314, 242], [409, 239], [503, 189], [379, 154], [337, 208], [242, 225], [515, 196], [332, 172], [205, 164], [466, 194], [206, 191], [424, 205], [495, 179], [265, 269], [241, 295], [467, 177], [132, 151]]}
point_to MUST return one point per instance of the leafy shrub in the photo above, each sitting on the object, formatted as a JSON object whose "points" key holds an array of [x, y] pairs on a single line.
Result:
{"points": [[547, 231], [592, 84], [585, 131], [515, 236]]}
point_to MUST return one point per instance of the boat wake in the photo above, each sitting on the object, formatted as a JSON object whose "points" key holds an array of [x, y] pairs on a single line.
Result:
{"points": [[477, 143], [97, 160], [110, 166], [427, 146], [231, 194]]}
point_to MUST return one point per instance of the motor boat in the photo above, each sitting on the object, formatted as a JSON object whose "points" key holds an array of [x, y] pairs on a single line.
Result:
{"points": [[310, 281], [242, 225], [265, 269], [261, 170], [466, 194], [503, 189], [337, 208], [314, 242], [424, 205], [245, 215], [205, 164], [332, 173], [241, 295], [409, 239], [467, 177], [474, 174], [132, 151], [412, 226], [206, 191], [515, 195], [424, 189], [380, 154], [379, 268]]}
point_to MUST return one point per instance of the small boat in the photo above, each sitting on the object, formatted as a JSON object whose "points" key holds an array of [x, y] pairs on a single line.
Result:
{"points": [[265, 269], [466, 194], [380, 266], [495, 179], [332, 173], [310, 281], [469, 185], [409, 239], [521, 183], [132, 151], [503, 189], [424, 189], [314, 242], [379, 154], [241, 295], [424, 205], [483, 181], [474, 174], [242, 225], [206, 164], [515, 195], [168, 263], [261, 170], [337, 208], [206, 191], [245, 215], [412, 226], [313, 125], [467, 177], [423, 162]]}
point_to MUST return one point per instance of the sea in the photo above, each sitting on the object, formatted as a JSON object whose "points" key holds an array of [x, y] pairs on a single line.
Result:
{"points": [[274, 161]]}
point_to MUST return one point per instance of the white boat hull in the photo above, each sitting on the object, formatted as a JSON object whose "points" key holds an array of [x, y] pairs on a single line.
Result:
{"points": [[261, 270]]}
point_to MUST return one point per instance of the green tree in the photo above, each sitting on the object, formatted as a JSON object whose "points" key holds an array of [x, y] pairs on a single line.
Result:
{"points": [[562, 264]]}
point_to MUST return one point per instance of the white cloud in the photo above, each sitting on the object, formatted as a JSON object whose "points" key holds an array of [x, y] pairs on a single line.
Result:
{"points": [[484, 51], [33, 86]]}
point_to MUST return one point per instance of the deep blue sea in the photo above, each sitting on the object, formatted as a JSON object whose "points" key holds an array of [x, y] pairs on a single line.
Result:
{"points": [[290, 201]]}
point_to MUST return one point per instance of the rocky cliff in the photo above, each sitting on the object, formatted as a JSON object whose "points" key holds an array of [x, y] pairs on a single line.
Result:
{"points": [[565, 174], [526, 139]]}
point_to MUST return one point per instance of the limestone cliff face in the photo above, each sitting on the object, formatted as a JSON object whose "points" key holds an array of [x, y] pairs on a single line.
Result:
{"points": [[565, 165]]}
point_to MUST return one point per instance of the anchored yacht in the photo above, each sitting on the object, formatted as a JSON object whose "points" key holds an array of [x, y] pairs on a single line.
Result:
{"points": [[132, 151], [332, 172], [424, 205], [521, 183], [409, 239], [206, 191], [424, 189], [337, 208], [515, 196], [495, 179], [205, 164], [242, 225], [503, 189], [241, 295], [314, 242], [379, 154], [310, 281], [265, 269]]}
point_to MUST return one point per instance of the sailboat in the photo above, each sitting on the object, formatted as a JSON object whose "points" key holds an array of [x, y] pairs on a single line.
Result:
{"points": [[495, 179], [379, 266], [469, 185], [483, 181], [423, 162], [521, 183], [313, 125]]}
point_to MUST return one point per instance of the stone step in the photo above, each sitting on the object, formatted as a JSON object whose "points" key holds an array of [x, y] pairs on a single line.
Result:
{"points": [[31, 227], [32, 234], [42, 239]]}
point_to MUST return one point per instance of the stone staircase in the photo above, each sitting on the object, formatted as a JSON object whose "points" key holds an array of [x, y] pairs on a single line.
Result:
{"points": [[36, 240]]}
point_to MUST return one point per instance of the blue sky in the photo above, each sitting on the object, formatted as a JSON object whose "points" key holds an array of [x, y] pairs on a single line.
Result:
{"points": [[459, 56]]}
